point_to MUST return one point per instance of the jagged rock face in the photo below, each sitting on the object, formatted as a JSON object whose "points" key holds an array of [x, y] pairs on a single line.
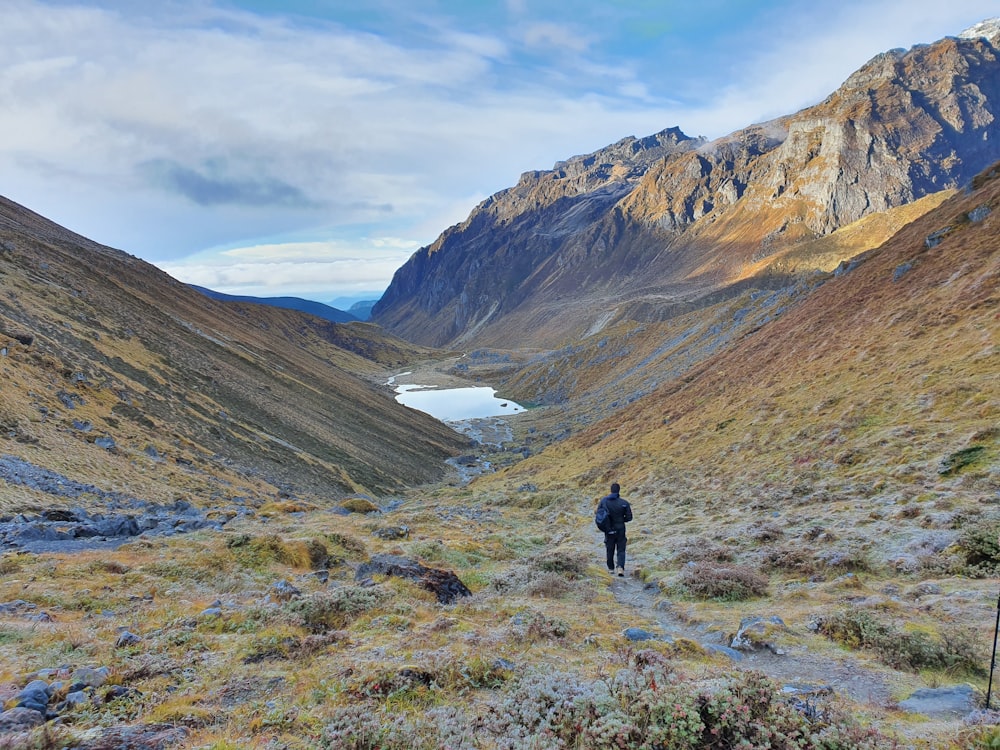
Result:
{"points": [[484, 266], [674, 218]]}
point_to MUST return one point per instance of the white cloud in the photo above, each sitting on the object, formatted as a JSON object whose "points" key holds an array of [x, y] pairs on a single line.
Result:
{"points": [[317, 268], [166, 129]]}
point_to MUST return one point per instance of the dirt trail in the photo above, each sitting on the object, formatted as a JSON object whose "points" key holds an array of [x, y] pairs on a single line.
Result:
{"points": [[800, 665]]}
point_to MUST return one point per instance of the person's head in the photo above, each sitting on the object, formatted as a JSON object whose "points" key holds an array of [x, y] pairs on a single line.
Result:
{"points": [[615, 489]]}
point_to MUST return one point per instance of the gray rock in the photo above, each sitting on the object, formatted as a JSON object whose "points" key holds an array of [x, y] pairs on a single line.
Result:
{"points": [[108, 443], [445, 585], [724, 650], [77, 698], [19, 719], [127, 638], [957, 700], [33, 697], [283, 591], [638, 634], [91, 677], [901, 270], [37, 684], [750, 636], [979, 213], [934, 238], [392, 532]]}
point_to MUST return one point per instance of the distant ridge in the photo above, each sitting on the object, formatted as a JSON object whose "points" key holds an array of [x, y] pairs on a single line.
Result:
{"points": [[362, 310], [649, 228], [286, 303]]}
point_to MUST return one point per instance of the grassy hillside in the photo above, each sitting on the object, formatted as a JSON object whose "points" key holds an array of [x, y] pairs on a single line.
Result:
{"points": [[878, 389], [198, 396]]}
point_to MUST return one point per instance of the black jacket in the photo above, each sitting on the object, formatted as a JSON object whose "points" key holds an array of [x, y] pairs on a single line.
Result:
{"points": [[619, 511]]}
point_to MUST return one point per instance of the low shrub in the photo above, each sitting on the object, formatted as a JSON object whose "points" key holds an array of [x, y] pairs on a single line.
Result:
{"points": [[980, 738], [535, 626], [572, 564], [260, 552], [362, 727], [642, 706], [979, 547], [645, 709], [847, 557], [548, 586], [359, 505], [792, 560], [10, 563], [728, 583], [955, 462], [954, 649], [552, 577], [333, 610], [698, 549], [348, 544]]}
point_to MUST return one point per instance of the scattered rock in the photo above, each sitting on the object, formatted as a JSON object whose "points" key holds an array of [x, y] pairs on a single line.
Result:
{"points": [[108, 443], [901, 270], [76, 698], [34, 696], [90, 676], [127, 638], [638, 634], [934, 238], [283, 591], [724, 650], [392, 532], [445, 585], [16, 607], [957, 700], [754, 634], [20, 719], [979, 213], [61, 530]]}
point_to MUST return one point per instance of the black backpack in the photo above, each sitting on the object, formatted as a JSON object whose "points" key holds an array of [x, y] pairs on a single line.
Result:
{"points": [[603, 519]]}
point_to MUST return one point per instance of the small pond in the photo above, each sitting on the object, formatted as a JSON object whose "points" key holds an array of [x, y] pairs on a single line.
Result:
{"points": [[455, 404]]}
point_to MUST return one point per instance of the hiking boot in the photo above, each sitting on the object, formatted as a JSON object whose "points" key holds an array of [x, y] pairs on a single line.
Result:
{"points": [[621, 572]]}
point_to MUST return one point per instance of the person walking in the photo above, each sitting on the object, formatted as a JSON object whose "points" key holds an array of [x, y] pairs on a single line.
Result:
{"points": [[619, 513]]}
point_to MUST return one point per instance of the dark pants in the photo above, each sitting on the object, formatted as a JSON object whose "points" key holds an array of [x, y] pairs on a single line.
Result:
{"points": [[612, 543]]}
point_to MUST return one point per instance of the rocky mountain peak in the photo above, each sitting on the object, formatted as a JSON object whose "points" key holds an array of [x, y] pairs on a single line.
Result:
{"points": [[987, 29]]}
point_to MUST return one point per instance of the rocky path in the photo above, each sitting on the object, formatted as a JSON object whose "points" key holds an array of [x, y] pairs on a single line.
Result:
{"points": [[805, 666], [796, 668]]}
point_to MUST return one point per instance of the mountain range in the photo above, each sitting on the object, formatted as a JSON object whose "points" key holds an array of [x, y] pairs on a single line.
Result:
{"points": [[316, 309], [650, 227]]}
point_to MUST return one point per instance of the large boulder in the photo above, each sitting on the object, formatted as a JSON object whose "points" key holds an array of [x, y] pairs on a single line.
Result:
{"points": [[444, 583]]}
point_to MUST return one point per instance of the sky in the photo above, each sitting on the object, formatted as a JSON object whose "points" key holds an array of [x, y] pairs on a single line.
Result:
{"points": [[309, 147]]}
